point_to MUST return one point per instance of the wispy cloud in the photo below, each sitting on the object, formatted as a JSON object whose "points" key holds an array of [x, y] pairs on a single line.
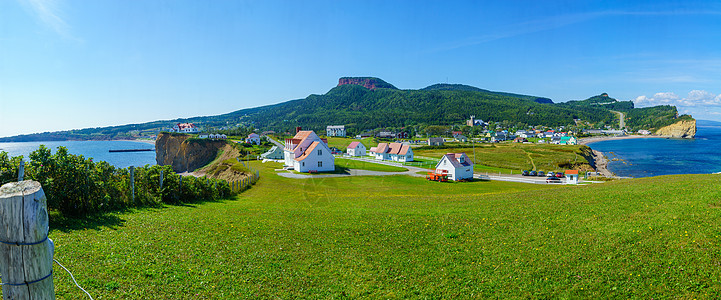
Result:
{"points": [[48, 12], [695, 98]]}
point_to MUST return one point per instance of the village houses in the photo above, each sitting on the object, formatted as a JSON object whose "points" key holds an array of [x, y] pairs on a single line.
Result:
{"points": [[335, 130], [253, 139], [356, 149], [184, 128], [306, 152], [393, 151], [456, 165]]}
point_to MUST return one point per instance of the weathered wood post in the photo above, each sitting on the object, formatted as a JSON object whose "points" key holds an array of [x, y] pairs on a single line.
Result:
{"points": [[26, 252], [21, 171], [161, 179], [132, 182]]}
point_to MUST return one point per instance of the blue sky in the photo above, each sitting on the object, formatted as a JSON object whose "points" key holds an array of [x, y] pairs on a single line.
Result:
{"points": [[77, 64]]}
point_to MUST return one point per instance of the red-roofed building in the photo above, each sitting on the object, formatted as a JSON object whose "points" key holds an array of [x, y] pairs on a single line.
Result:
{"points": [[571, 176], [306, 152], [456, 165], [356, 149], [185, 128], [393, 152]]}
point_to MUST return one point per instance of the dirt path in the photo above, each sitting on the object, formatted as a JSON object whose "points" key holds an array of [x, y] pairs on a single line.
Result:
{"points": [[531, 158], [621, 119]]}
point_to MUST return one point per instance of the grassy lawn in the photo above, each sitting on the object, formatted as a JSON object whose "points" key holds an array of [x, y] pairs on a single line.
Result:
{"points": [[365, 165], [405, 237], [507, 157], [342, 143]]}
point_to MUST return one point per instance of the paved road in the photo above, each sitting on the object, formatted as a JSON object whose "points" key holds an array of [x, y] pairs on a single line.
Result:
{"points": [[621, 119]]}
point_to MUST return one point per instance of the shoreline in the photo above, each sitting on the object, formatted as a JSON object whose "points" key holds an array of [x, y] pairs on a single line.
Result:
{"points": [[595, 139]]}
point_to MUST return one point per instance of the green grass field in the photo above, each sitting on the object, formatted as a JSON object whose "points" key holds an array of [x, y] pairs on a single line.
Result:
{"points": [[405, 237], [507, 157], [365, 165]]}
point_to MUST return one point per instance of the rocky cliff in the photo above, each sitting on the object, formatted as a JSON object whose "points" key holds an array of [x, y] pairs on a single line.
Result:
{"points": [[682, 129], [367, 82], [184, 153]]}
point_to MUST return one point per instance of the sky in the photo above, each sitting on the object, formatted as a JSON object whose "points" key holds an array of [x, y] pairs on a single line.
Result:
{"points": [[78, 64]]}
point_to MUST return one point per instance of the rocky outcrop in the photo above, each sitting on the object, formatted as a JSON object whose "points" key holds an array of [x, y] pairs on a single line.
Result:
{"points": [[682, 129], [367, 82], [184, 153]]}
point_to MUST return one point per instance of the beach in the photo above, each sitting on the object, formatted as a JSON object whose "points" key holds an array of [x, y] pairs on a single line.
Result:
{"points": [[593, 139]]}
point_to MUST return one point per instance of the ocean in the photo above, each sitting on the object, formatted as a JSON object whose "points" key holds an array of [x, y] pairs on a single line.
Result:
{"points": [[98, 150], [655, 156]]}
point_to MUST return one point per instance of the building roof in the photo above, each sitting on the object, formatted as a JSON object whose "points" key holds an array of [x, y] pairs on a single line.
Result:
{"points": [[335, 127], [435, 139], [455, 159], [186, 125], [253, 135], [308, 151], [373, 149], [382, 148], [571, 172], [353, 145]]}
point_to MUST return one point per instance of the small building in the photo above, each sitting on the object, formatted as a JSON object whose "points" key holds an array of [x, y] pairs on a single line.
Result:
{"points": [[253, 139], [571, 176], [393, 152], [460, 138], [644, 132], [386, 135], [520, 140], [184, 128], [436, 141], [306, 152], [217, 136], [457, 165], [356, 149], [568, 140], [275, 152], [335, 130]]}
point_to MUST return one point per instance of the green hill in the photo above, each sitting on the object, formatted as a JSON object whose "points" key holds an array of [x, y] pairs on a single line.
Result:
{"points": [[366, 103]]}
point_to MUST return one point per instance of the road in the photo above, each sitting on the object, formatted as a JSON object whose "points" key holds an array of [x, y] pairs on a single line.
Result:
{"points": [[621, 119]]}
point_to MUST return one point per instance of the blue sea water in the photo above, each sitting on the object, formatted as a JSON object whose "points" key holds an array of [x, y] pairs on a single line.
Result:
{"points": [[97, 150], [656, 156]]}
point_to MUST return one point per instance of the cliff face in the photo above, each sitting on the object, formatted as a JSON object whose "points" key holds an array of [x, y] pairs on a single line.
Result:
{"points": [[683, 129], [367, 82], [182, 154]]}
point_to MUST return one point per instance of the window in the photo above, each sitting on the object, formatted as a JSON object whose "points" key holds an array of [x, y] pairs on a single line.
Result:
{"points": [[302, 164], [320, 152], [320, 163]]}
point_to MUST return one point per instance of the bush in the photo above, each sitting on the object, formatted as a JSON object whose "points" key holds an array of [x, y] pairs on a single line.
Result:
{"points": [[76, 186]]}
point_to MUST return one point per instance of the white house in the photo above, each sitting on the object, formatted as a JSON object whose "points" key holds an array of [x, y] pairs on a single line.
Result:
{"points": [[217, 136], [356, 149], [393, 151], [185, 128], [306, 152], [275, 152], [571, 176], [435, 141], [253, 138], [457, 165], [337, 130]]}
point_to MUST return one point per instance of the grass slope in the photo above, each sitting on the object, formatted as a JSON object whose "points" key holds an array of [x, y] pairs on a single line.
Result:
{"points": [[404, 237]]}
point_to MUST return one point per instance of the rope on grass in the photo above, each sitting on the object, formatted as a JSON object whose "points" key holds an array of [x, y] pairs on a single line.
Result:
{"points": [[73, 277]]}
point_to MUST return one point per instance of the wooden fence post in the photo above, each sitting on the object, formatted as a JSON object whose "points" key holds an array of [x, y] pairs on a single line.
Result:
{"points": [[132, 182], [21, 171], [26, 252], [161, 179]]}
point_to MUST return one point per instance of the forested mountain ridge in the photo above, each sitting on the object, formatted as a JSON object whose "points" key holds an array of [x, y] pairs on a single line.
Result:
{"points": [[360, 108]]}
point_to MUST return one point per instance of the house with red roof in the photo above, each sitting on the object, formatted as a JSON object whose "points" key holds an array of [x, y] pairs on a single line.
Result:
{"points": [[253, 139], [456, 165], [185, 128], [356, 149], [571, 176], [306, 152], [393, 152]]}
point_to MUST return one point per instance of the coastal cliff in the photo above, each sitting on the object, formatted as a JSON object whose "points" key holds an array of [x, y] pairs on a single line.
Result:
{"points": [[682, 129], [184, 153]]}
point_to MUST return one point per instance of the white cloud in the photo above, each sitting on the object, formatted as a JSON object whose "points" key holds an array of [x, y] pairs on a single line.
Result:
{"points": [[695, 98], [48, 12]]}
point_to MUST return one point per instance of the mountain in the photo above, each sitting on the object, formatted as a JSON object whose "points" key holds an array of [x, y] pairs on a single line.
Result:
{"points": [[468, 88], [367, 103]]}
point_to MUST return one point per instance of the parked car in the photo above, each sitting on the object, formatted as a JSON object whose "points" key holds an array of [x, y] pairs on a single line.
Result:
{"points": [[559, 175], [551, 174], [524, 173], [533, 173], [553, 180], [541, 174]]}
